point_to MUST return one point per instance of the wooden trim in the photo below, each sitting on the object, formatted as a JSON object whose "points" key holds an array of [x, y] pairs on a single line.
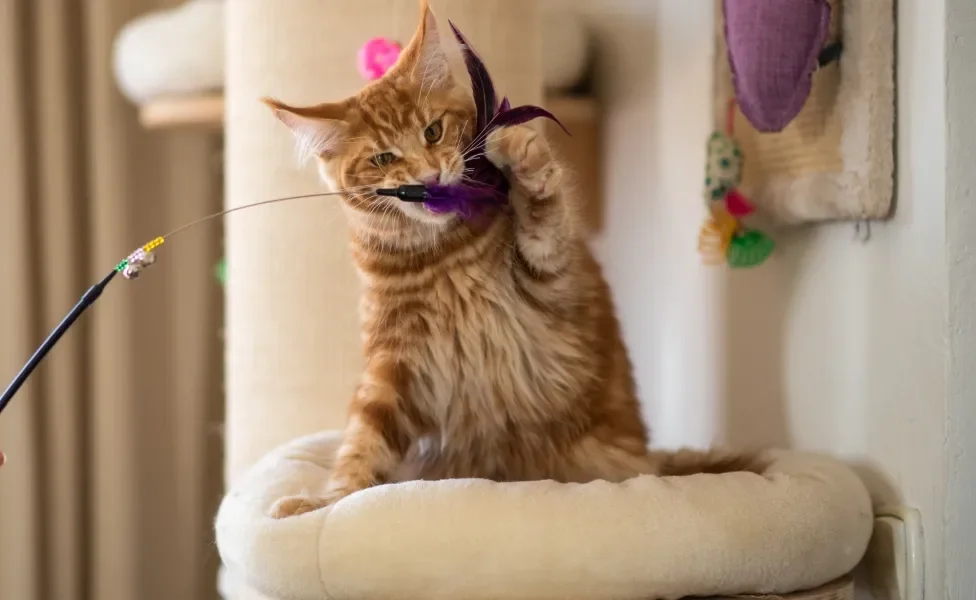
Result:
{"points": [[203, 111], [207, 111]]}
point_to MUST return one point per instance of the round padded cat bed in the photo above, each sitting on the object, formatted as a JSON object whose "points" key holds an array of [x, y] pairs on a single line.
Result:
{"points": [[803, 523]]}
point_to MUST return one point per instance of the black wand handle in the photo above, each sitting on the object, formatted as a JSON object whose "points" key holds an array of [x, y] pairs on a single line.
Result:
{"points": [[87, 300], [407, 193]]}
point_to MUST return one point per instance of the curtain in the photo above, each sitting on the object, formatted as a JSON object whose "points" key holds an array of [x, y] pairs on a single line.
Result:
{"points": [[113, 448]]}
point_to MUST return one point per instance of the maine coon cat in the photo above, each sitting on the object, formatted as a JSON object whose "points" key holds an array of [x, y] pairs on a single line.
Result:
{"points": [[492, 348]]}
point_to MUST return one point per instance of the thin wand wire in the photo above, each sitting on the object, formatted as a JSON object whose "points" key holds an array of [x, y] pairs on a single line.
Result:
{"points": [[254, 204], [95, 291]]}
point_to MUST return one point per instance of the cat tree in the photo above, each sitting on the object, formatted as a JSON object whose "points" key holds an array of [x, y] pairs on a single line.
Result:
{"points": [[293, 347], [293, 354]]}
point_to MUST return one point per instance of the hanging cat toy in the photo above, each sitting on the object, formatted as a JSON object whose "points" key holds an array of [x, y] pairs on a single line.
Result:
{"points": [[486, 188], [724, 239]]}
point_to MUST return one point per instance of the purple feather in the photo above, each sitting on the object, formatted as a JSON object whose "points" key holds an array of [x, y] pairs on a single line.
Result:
{"points": [[481, 85], [523, 114], [466, 199], [485, 185]]}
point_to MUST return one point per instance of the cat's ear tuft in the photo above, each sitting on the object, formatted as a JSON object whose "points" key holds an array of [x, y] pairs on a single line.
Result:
{"points": [[424, 59], [318, 130]]}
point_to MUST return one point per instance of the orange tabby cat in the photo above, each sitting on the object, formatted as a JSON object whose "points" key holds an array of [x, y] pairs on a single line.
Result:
{"points": [[491, 351]]}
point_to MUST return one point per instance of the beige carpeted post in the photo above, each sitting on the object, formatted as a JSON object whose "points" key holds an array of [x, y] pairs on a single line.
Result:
{"points": [[292, 338]]}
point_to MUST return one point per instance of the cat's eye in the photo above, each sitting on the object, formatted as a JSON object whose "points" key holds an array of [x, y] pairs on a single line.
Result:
{"points": [[383, 159], [434, 132]]}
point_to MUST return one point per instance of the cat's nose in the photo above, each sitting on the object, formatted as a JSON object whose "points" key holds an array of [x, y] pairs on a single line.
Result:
{"points": [[430, 177]]}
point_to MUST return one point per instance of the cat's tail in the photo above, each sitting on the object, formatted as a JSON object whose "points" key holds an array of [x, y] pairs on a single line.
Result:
{"points": [[690, 462], [595, 459]]}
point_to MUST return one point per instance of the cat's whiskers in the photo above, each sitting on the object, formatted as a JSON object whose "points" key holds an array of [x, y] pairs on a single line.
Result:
{"points": [[497, 140], [483, 135], [381, 226], [333, 219], [460, 137]]}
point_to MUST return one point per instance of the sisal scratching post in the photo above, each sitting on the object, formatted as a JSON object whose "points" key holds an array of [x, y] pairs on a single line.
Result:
{"points": [[292, 336]]}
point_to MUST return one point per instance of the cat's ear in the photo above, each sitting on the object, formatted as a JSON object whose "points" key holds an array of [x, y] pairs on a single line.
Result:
{"points": [[424, 59], [318, 130]]}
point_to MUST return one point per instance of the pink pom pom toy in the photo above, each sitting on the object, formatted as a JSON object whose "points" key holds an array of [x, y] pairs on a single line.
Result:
{"points": [[376, 57]]}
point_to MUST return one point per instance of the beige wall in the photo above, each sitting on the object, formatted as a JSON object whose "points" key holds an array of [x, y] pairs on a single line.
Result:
{"points": [[656, 72], [960, 446], [835, 345], [841, 346]]}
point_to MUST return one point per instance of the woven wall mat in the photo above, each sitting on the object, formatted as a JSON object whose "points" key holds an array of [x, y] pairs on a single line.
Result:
{"points": [[836, 160]]}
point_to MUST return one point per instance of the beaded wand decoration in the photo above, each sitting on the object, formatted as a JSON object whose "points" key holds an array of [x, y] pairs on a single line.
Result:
{"points": [[130, 268]]}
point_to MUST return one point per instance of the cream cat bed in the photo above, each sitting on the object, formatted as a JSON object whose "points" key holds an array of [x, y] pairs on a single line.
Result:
{"points": [[805, 522], [180, 51]]}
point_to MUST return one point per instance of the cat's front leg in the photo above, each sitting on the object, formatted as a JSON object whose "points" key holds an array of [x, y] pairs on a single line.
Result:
{"points": [[376, 438], [548, 227]]}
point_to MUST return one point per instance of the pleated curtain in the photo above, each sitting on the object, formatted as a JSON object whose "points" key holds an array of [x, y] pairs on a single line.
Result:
{"points": [[114, 446]]}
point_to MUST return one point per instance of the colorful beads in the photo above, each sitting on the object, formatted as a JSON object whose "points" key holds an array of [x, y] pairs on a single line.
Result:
{"points": [[132, 266], [156, 243]]}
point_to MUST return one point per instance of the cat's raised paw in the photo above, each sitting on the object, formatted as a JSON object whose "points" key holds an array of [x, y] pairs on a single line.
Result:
{"points": [[543, 183], [527, 154], [518, 147]]}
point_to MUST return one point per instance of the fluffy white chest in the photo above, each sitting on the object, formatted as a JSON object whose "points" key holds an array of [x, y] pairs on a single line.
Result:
{"points": [[491, 362]]}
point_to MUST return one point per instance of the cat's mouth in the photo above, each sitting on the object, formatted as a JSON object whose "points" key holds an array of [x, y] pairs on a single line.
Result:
{"points": [[419, 211], [450, 173], [427, 212]]}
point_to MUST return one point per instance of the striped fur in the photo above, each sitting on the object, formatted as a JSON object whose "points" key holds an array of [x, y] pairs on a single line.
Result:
{"points": [[492, 349]]}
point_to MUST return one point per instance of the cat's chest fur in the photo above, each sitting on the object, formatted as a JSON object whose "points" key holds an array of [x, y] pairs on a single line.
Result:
{"points": [[485, 362], [492, 361]]}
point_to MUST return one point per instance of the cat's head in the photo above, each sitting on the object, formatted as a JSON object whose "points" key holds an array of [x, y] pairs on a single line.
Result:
{"points": [[410, 126]]}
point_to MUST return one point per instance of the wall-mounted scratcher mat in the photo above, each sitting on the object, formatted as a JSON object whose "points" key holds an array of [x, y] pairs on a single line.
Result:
{"points": [[835, 160], [802, 524], [293, 350]]}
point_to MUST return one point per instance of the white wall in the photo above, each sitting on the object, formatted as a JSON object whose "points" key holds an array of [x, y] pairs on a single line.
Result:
{"points": [[834, 345], [960, 518], [841, 347], [656, 73]]}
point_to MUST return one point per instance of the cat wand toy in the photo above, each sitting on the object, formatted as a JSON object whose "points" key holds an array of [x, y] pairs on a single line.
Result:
{"points": [[129, 268], [486, 186], [144, 257]]}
